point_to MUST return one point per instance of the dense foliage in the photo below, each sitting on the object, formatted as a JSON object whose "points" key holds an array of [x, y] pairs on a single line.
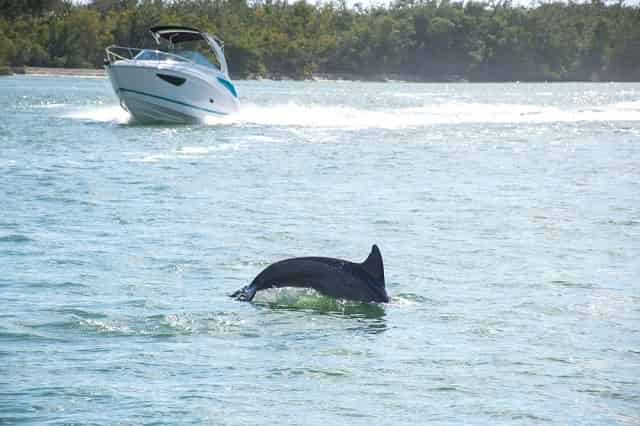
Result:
{"points": [[423, 40]]}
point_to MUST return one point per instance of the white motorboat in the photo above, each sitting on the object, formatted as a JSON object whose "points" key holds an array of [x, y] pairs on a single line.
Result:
{"points": [[184, 84]]}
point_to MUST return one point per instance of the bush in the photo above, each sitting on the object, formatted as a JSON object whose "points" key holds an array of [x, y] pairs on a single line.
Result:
{"points": [[38, 57], [6, 52]]}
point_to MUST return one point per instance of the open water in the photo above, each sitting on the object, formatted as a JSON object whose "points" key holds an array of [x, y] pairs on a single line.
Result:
{"points": [[508, 216]]}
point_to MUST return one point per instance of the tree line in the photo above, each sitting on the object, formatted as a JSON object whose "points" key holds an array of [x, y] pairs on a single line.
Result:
{"points": [[427, 40]]}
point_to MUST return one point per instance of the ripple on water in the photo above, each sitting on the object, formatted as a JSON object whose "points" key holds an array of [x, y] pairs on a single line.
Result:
{"points": [[516, 415], [16, 333], [159, 326], [571, 284], [609, 394], [15, 238], [309, 372], [80, 313], [105, 327], [214, 323], [81, 322], [53, 284], [409, 299], [622, 222], [184, 153]]}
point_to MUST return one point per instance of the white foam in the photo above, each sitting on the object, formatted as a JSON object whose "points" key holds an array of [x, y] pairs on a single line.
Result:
{"points": [[102, 114], [348, 117], [194, 150], [151, 158], [259, 138], [296, 115], [185, 152], [48, 106], [627, 106]]}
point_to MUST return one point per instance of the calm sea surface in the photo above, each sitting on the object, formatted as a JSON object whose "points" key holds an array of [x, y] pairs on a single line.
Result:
{"points": [[508, 216]]}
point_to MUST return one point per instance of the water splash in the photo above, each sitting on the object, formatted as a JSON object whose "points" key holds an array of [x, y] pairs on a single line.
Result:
{"points": [[102, 114], [185, 152], [348, 117], [309, 299]]}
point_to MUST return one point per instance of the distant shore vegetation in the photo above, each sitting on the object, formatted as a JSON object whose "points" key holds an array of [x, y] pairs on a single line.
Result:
{"points": [[408, 40]]}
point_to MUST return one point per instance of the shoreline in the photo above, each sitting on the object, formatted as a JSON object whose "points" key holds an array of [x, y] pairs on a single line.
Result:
{"points": [[58, 72], [319, 77]]}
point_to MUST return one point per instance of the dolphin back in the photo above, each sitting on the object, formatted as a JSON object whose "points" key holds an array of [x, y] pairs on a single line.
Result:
{"points": [[332, 277]]}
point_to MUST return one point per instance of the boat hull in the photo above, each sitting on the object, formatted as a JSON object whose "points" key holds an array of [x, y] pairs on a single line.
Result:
{"points": [[161, 92]]}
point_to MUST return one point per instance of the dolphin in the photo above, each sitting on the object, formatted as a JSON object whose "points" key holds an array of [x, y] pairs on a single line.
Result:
{"points": [[337, 278]]}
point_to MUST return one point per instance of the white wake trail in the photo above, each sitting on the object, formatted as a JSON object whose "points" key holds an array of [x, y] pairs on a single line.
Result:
{"points": [[353, 118]]}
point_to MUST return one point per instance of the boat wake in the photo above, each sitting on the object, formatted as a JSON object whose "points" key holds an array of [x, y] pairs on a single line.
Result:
{"points": [[103, 114], [347, 117]]}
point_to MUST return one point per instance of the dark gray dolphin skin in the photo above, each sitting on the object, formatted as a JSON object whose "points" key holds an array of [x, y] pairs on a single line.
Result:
{"points": [[337, 278]]}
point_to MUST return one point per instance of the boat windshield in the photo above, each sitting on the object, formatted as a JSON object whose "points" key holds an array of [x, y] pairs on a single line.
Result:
{"points": [[156, 55], [196, 51], [198, 58], [177, 56]]}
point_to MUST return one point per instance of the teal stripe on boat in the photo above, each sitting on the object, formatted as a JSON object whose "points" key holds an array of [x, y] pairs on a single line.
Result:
{"points": [[229, 85], [172, 100]]}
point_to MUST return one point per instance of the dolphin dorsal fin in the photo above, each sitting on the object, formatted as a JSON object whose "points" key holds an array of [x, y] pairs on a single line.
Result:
{"points": [[373, 265]]}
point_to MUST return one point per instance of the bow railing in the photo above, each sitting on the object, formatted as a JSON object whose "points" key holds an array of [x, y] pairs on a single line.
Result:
{"points": [[120, 53]]}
